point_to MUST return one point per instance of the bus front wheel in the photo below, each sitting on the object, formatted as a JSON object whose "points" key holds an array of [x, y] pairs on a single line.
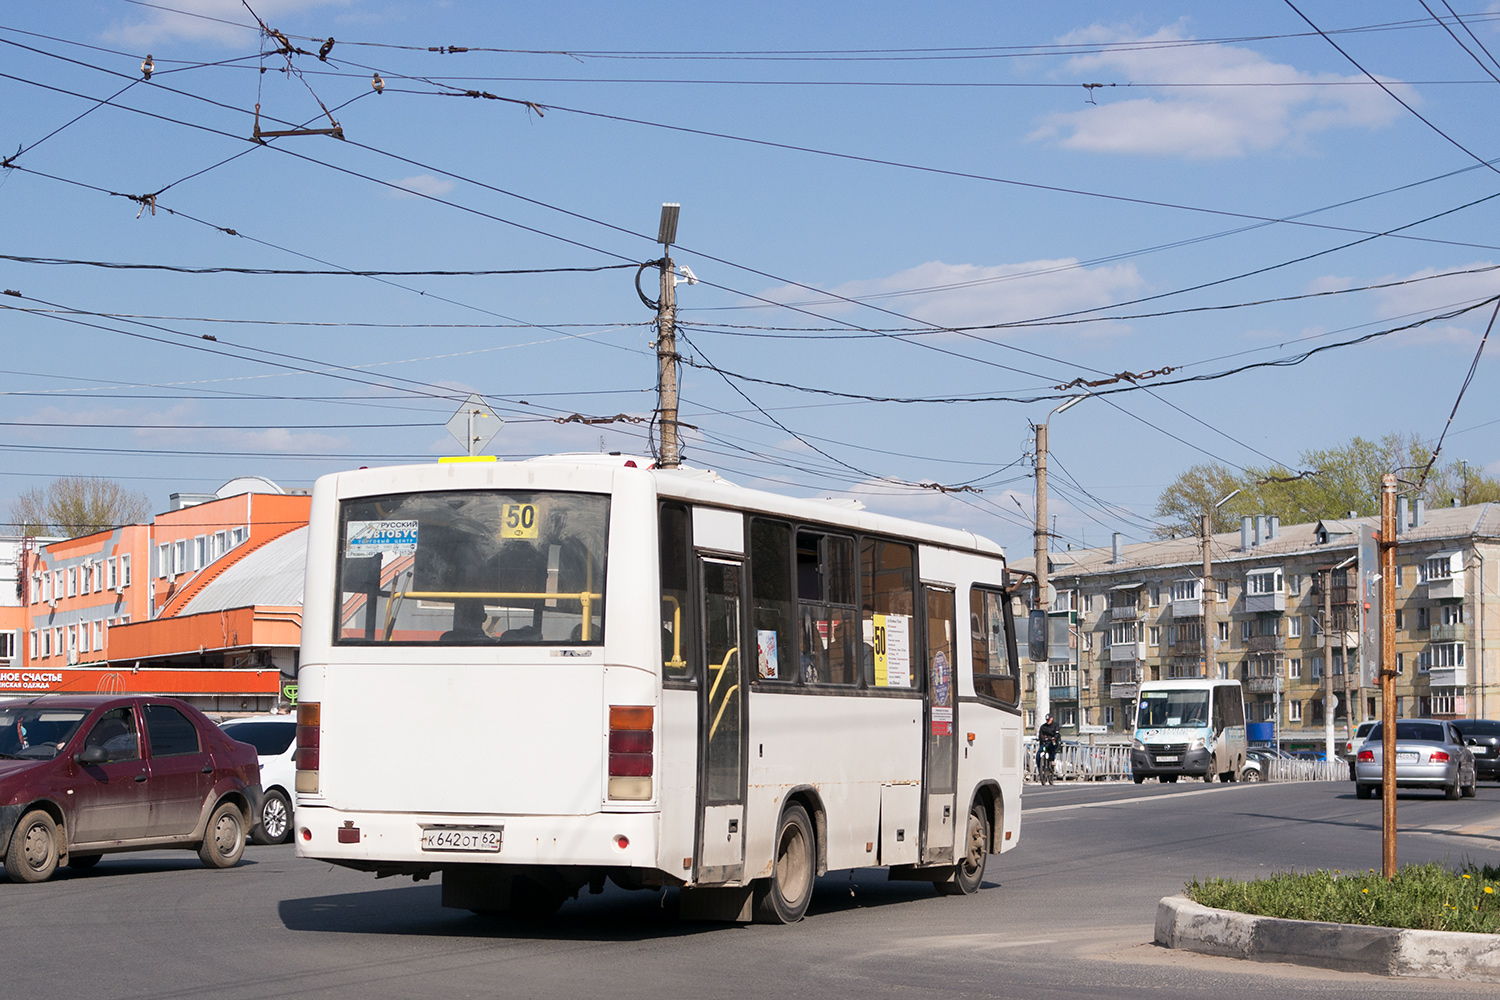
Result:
{"points": [[968, 874], [783, 898]]}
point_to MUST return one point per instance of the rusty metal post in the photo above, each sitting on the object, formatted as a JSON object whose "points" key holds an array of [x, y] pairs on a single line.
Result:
{"points": [[1388, 674]]}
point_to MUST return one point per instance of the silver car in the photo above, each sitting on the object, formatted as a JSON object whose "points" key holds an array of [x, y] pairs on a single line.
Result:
{"points": [[1429, 754]]}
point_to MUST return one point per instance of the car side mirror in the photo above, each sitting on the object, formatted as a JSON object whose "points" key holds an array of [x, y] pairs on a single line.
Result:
{"points": [[91, 755]]}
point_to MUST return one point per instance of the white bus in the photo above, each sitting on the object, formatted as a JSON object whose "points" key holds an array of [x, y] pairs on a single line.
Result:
{"points": [[532, 676]]}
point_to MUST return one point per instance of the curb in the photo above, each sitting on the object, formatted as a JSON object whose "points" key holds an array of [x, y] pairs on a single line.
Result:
{"points": [[1383, 951]]}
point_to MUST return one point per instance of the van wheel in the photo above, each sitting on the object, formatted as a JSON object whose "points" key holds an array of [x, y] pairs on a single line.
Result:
{"points": [[968, 874], [33, 852], [1140, 779], [783, 898]]}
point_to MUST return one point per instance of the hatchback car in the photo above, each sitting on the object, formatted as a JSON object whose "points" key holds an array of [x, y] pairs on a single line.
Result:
{"points": [[1430, 753], [1483, 737], [275, 740], [82, 776]]}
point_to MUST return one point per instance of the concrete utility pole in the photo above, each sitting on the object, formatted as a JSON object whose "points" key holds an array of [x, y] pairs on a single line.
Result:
{"points": [[1042, 537], [1210, 592], [1388, 674], [1328, 695], [666, 341]]}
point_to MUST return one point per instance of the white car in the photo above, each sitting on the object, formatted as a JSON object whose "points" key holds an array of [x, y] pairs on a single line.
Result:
{"points": [[275, 740]]}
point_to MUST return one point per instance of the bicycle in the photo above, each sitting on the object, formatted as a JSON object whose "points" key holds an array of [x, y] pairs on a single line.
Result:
{"points": [[1046, 768]]}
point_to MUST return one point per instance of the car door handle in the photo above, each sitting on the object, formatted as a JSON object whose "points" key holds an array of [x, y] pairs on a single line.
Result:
{"points": [[209, 769], [140, 777]]}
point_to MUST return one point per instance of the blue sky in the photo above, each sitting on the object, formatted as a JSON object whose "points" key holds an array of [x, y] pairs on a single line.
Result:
{"points": [[869, 195]]}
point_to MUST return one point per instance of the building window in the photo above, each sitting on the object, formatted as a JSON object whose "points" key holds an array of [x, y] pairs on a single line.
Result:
{"points": [[179, 557], [99, 635], [1424, 618], [1294, 711], [1424, 661], [200, 552], [1153, 635], [1265, 582], [1447, 654], [1223, 631], [1069, 717], [1247, 629], [164, 560], [237, 536], [111, 574], [1316, 710], [83, 637], [1399, 617], [1400, 663], [1451, 614], [125, 571], [1294, 668], [1030, 718], [1441, 567], [1185, 590], [1315, 667], [1223, 670], [98, 576], [34, 646], [1294, 627], [1223, 590], [1400, 576], [1153, 597], [1400, 706], [1109, 716], [72, 581], [1122, 634], [1294, 584]]}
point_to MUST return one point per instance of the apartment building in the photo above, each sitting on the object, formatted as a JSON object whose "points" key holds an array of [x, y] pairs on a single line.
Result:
{"points": [[1284, 619], [202, 603]]}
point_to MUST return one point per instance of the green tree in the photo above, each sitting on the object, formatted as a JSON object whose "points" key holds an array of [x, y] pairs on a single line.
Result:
{"points": [[77, 505], [1331, 483]]}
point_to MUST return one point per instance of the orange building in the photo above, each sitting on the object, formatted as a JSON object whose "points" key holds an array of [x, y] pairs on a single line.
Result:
{"points": [[204, 603]]}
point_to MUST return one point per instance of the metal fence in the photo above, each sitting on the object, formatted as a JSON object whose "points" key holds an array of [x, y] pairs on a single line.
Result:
{"points": [[1111, 762]]}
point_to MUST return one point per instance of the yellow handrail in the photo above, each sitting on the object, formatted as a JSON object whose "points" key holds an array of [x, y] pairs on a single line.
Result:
{"points": [[515, 595], [727, 695], [676, 662], [719, 673]]}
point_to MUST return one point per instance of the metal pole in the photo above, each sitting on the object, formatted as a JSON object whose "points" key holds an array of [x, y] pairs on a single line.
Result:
{"points": [[470, 441], [666, 356], [1328, 695], [1043, 667], [1209, 595], [1388, 674]]}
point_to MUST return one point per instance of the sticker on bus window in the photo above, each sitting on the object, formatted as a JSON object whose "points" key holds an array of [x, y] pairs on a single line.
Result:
{"points": [[518, 520], [942, 682], [942, 721], [765, 641], [888, 638], [375, 538]]}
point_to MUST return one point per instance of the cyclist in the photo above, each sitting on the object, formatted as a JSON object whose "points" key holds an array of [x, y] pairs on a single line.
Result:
{"points": [[1048, 738]]}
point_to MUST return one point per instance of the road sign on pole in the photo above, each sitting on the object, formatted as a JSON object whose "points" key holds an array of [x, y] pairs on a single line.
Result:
{"points": [[474, 424], [1369, 606]]}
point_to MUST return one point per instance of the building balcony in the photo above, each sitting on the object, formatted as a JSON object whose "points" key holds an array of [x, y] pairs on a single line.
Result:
{"points": [[1123, 612], [1448, 677], [1191, 608], [1255, 603], [1447, 589], [1125, 690], [1265, 643], [1127, 651], [1449, 633], [1062, 678], [1186, 647], [1263, 685]]}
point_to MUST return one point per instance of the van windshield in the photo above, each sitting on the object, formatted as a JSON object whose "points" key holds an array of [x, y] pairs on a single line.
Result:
{"points": [[1173, 710]]}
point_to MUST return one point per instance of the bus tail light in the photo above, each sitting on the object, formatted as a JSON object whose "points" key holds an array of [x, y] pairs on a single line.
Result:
{"points": [[631, 751], [309, 745]]}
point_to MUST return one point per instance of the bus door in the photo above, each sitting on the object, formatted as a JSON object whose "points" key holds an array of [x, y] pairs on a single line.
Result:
{"points": [[721, 747], [940, 757]]}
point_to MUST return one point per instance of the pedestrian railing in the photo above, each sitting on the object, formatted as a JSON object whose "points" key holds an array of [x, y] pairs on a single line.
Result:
{"points": [[1307, 770], [1084, 763]]}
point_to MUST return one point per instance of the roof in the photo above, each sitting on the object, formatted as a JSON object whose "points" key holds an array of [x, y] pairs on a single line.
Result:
{"points": [[270, 575], [1455, 524]]}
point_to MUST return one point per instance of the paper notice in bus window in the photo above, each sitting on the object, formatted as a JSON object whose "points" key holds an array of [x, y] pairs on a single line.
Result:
{"points": [[518, 520], [890, 649], [765, 642], [942, 721], [375, 538]]}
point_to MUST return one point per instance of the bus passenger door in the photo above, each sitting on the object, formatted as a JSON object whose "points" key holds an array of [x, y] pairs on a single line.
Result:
{"points": [[721, 746], [940, 756]]}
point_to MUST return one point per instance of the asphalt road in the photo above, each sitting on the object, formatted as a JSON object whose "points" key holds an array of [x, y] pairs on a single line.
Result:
{"points": [[1068, 913]]}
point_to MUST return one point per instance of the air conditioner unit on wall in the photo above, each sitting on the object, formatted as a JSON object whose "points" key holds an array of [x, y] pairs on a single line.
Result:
{"points": [[119, 588]]}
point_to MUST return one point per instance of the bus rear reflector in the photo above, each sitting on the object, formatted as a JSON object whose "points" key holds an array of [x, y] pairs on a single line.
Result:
{"points": [[309, 745], [632, 751]]}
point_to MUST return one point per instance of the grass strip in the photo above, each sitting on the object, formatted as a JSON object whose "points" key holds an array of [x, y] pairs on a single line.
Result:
{"points": [[1419, 897]]}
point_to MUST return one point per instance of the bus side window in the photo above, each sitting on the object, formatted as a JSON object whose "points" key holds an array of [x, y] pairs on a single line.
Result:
{"points": [[771, 599], [831, 647], [679, 647], [992, 637], [888, 574]]}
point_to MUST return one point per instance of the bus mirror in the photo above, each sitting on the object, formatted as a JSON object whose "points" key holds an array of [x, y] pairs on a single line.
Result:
{"points": [[1036, 636]]}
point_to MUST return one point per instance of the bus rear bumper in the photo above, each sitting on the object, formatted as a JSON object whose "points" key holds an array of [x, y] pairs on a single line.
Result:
{"points": [[376, 841]]}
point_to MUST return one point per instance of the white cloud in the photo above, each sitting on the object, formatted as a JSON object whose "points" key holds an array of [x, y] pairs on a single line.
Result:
{"points": [[976, 294], [1285, 107], [203, 21], [420, 184]]}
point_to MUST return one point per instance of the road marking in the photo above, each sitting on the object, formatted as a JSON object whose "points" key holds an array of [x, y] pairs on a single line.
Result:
{"points": [[1121, 802]]}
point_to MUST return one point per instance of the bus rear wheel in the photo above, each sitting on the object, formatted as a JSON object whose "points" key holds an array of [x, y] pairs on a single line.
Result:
{"points": [[783, 898]]}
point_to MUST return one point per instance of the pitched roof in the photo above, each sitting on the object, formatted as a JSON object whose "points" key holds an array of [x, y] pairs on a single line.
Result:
{"points": [[270, 575]]}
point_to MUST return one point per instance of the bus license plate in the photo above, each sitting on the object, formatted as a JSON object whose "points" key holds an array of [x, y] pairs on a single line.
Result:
{"points": [[1172, 759], [1407, 757], [460, 838]]}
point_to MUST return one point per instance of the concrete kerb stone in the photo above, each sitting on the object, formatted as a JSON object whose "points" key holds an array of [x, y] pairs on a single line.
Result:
{"points": [[1385, 951]]}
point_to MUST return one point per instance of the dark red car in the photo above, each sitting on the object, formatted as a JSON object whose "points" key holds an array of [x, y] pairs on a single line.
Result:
{"points": [[82, 776]]}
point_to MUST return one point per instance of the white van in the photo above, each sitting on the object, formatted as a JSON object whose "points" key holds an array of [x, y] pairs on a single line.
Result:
{"points": [[1189, 727]]}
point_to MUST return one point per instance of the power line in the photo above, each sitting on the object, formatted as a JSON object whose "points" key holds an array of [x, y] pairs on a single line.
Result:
{"points": [[339, 272], [1463, 388]]}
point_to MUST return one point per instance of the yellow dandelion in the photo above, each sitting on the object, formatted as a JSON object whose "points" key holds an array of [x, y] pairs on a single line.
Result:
{"points": [[1466, 876], [1366, 891], [1489, 889]]}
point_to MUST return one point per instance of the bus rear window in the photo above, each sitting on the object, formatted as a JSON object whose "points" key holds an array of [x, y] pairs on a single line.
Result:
{"points": [[472, 568]]}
